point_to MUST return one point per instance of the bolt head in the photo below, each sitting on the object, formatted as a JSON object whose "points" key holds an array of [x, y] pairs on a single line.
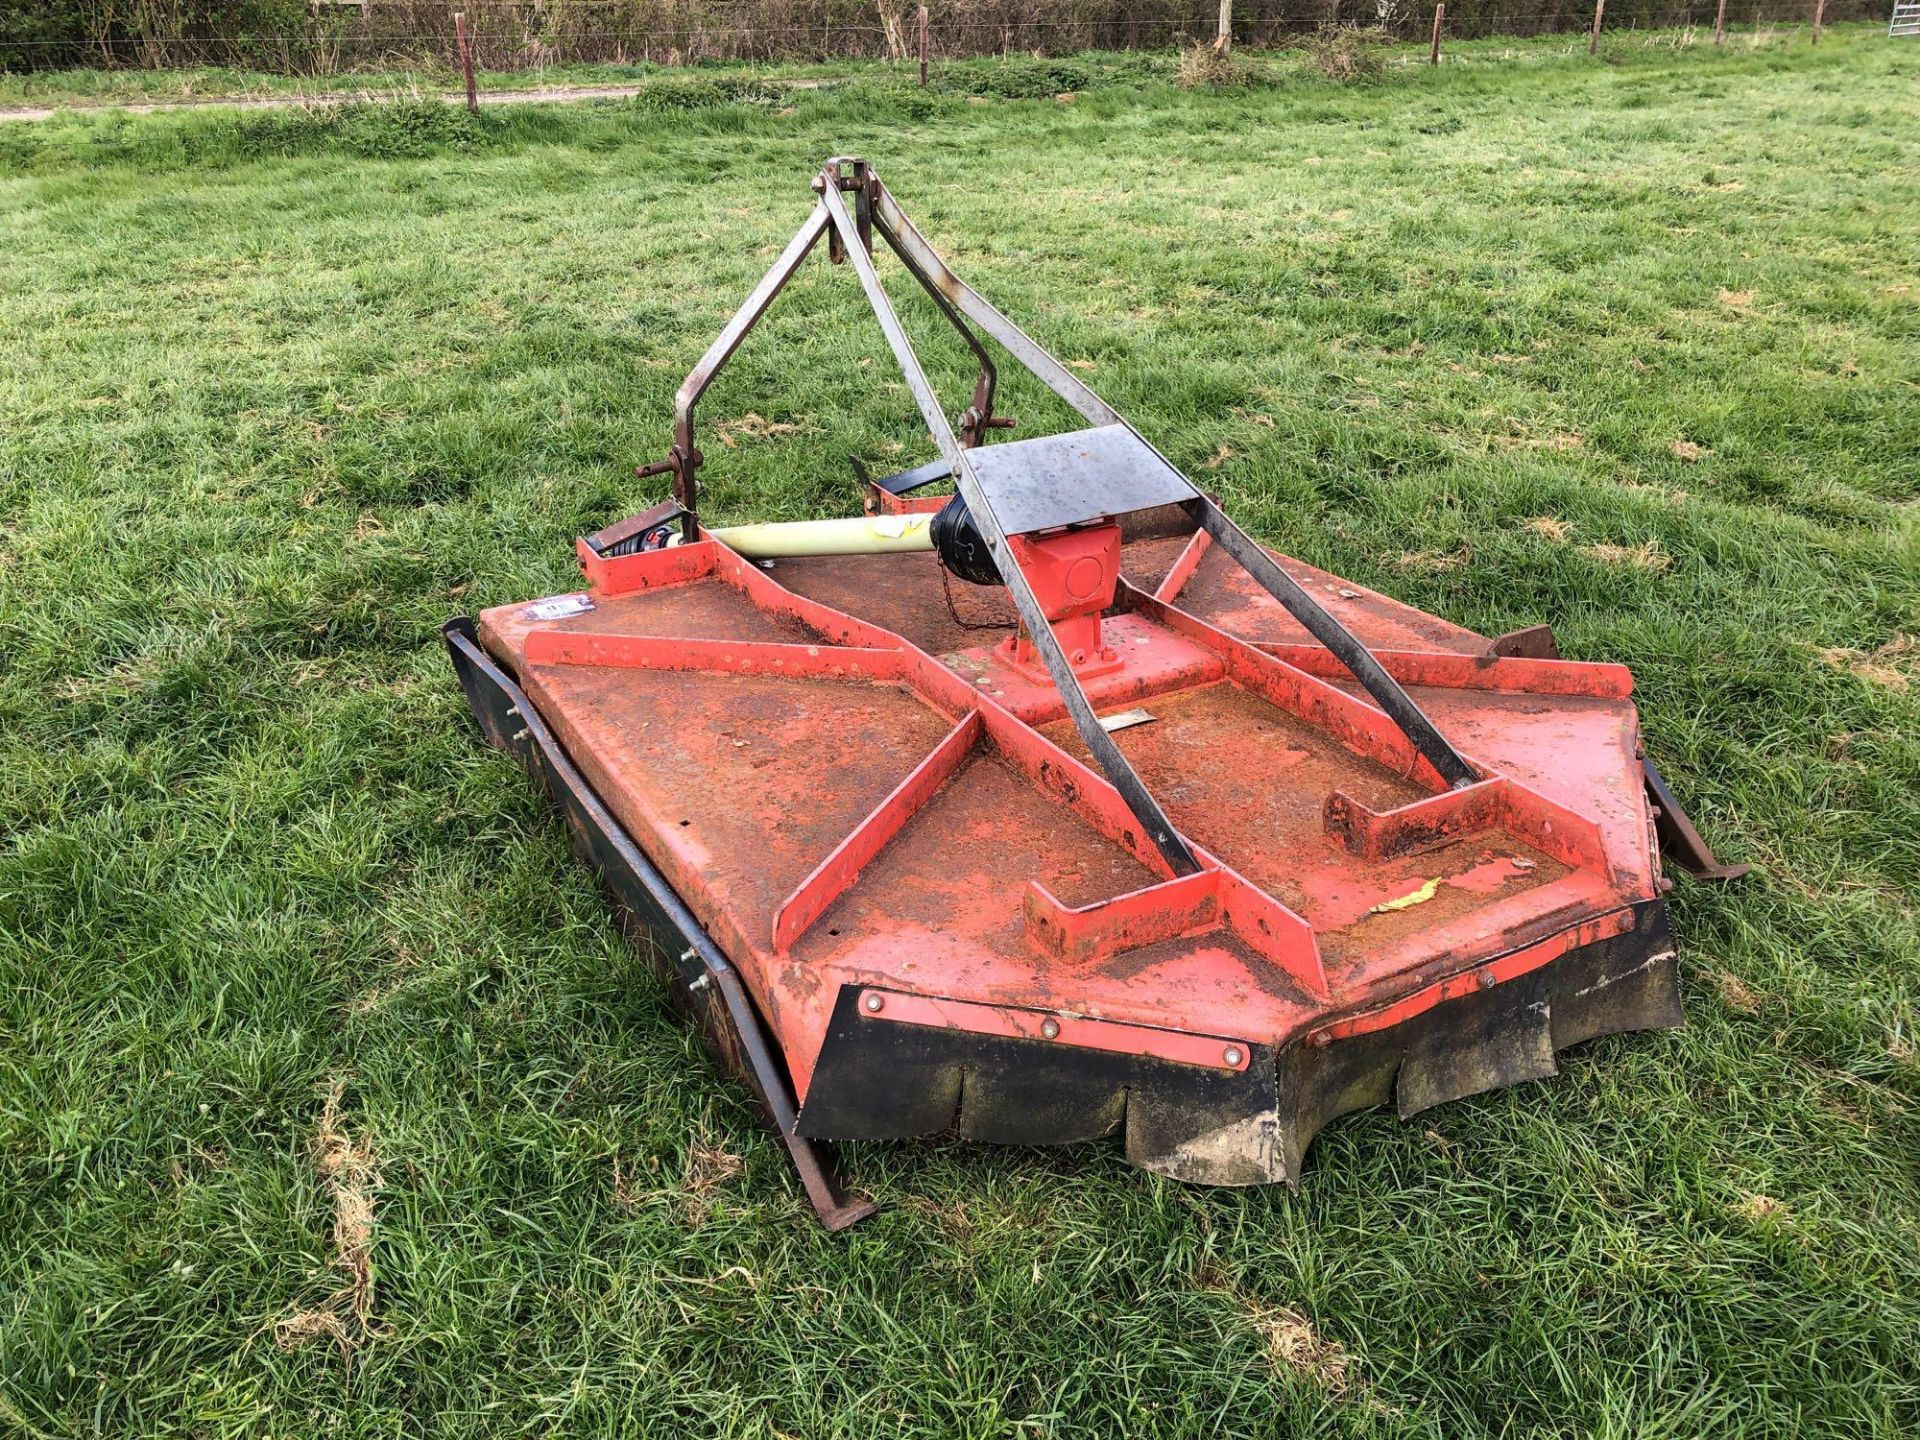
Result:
{"points": [[1050, 1029], [873, 1004], [1231, 1055], [1487, 980]]}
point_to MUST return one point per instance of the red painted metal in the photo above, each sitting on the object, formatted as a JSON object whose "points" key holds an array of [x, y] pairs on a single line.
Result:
{"points": [[646, 570], [1214, 899], [1441, 819], [1354, 723], [1183, 568], [853, 854], [1148, 660], [735, 657], [1472, 672], [1465, 982], [1184, 905], [881, 502], [1214, 1052], [1073, 575]]}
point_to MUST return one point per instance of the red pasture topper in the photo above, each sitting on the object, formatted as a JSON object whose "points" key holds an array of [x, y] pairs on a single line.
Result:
{"points": [[1053, 807]]}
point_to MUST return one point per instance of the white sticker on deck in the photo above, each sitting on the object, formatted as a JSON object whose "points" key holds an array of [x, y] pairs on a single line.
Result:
{"points": [[560, 607]]}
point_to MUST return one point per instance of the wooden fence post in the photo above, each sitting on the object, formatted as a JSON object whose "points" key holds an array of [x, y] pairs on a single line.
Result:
{"points": [[1819, 15], [1223, 42], [1439, 19], [1720, 25], [923, 46], [1593, 41], [465, 46]]}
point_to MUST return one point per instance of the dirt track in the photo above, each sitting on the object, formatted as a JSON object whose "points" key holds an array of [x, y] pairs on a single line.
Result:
{"points": [[284, 102]]}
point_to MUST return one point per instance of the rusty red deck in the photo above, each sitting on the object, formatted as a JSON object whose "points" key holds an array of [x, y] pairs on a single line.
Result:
{"points": [[876, 817]]}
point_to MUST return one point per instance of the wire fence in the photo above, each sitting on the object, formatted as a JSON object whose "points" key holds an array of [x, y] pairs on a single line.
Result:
{"points": [[321, 37]]}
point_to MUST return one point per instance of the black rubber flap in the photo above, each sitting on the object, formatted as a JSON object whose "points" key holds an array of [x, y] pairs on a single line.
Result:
{"points": [[879, 1079]]}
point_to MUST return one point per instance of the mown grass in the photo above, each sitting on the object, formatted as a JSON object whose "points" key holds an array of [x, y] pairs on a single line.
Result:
{"points": [[1631, 348]]}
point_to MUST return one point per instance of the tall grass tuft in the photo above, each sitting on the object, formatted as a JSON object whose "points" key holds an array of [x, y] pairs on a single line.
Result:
{"points": [[1205, 65], [1347, 54]]}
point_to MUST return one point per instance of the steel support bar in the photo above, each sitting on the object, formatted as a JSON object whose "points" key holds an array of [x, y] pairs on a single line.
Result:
{"points": [[686, 458], [1168, 841], [912, 247], [706, 979], [1359, 660], [909, 243], [981, 415]]}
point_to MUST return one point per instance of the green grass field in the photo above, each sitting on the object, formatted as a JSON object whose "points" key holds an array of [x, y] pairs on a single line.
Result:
{"points": [[333, 1103], [81, 88]]}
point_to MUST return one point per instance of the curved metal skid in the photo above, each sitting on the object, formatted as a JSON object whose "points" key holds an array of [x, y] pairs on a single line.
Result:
{"points": [[704, 981]]}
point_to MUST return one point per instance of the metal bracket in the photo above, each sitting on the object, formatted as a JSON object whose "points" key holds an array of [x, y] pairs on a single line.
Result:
{"points": [[1678, 839], [904, 481], [1531, 642], [636, 532]]}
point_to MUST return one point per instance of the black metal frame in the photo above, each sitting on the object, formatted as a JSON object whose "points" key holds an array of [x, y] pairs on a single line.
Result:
{"points": [[1683, 844], [850, 231]]}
